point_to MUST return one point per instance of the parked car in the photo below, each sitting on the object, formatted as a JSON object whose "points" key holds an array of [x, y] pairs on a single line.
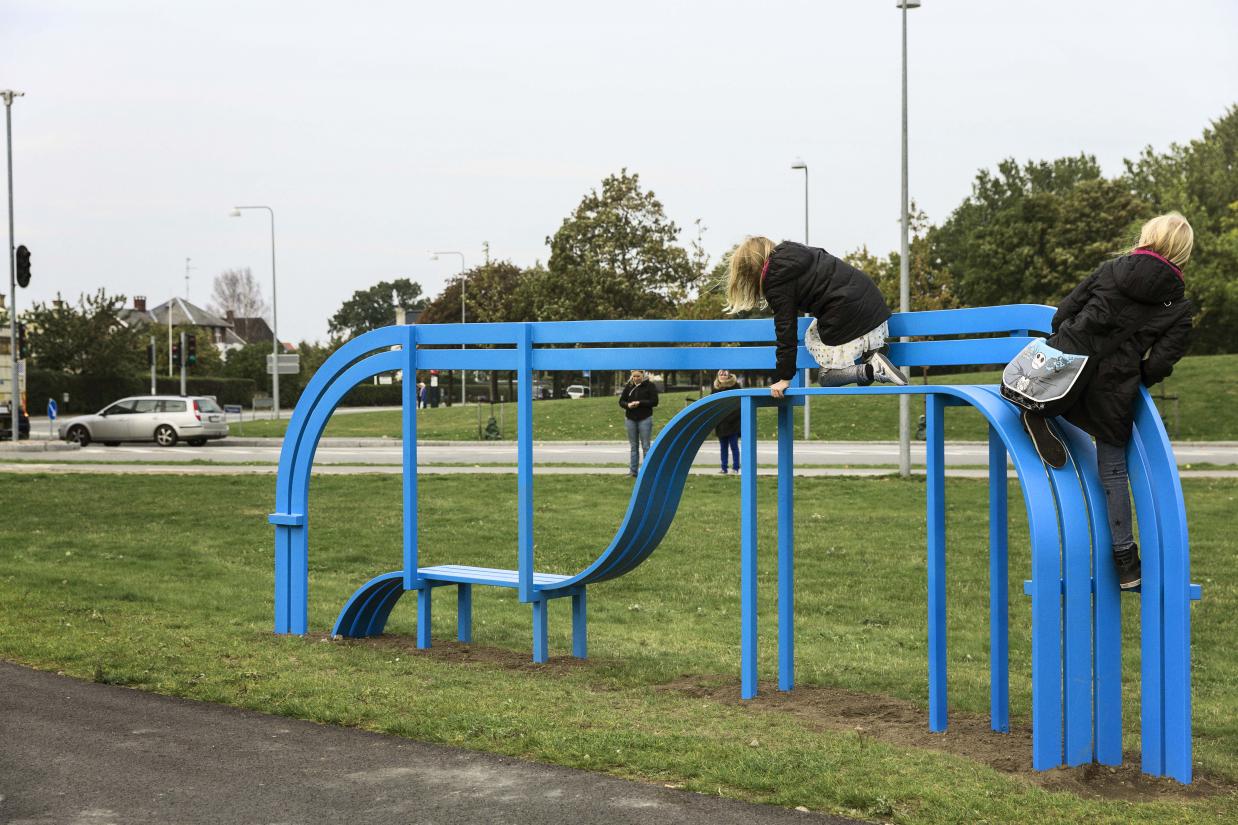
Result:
{"points": [[6, 423], [164, 419], [577, 391]]}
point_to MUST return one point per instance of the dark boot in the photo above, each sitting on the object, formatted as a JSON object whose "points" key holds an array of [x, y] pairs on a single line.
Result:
{"points": [[1127, 561], [1048, 446]]}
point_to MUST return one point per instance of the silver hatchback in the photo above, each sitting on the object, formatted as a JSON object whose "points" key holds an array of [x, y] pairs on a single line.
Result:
{"points": [[164, 419]]}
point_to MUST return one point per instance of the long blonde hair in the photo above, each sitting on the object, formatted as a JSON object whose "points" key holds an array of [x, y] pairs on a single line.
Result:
{"points": [[1170, 236], [743, 281]]}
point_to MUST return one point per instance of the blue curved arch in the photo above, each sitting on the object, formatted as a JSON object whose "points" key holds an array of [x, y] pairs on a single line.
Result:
{"points": [[314, 395], [338, 375], [365, 614]]}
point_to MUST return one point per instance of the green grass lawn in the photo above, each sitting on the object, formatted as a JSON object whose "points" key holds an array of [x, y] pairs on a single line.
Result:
{"points": [[164, 584], [1206, 386]]}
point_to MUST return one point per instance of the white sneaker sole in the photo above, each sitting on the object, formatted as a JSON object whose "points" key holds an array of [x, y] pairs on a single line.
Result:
{"points": [[885, 371]]}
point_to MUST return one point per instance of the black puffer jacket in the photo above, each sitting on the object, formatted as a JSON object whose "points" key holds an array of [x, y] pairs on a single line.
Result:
{"points": [[646, 393], [731, 423], [1138, 289], [845, 301]]}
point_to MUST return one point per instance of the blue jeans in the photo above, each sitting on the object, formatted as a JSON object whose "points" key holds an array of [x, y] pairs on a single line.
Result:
{"points": [[639, 433], [1111, 466], [730, 442]]}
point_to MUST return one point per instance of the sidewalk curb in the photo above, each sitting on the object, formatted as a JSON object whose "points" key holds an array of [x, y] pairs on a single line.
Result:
{"points": [[34, 446]]}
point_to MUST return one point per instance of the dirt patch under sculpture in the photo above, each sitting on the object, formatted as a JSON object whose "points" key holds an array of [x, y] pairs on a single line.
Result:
{"points": [[901, 723], [897, 722]]}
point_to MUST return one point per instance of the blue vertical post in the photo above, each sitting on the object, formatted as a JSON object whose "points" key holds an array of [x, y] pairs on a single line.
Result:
{"points": [[999, 571], [579, 625], [1175, 597], [524, 461], [1106, 611], [541, 645], [1151, 616], [464, 613], [298, 580], [748, 547], [1077, 672], [786, 546], [424, 595], [935, 447], [409, 398], [283, 563]]}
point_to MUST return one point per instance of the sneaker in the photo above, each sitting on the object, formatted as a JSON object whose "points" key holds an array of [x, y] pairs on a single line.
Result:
{"points": [[884, 370], [723, 471], [1127, 561], [1048, 446]]}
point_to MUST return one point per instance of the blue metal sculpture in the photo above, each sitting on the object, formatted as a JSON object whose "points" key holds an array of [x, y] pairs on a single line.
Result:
{"points": [[1076, 632]]}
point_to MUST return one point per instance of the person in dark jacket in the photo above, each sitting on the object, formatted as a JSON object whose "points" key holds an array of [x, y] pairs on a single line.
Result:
{"points": [[1140, 296], [638, 399], [849, 315], [728, 428]]}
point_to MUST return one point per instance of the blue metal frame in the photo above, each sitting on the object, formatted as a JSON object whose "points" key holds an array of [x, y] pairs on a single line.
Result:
{"points": [[1075, 607]]}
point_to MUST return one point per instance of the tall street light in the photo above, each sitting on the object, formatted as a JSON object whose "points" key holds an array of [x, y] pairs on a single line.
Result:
{"points": [[799, 164], [15, 402], [275, 347], [904, 265], [434, 257]]}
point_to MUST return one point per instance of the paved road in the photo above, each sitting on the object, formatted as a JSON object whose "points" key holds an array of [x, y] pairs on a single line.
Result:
{"points": [[84, 754], [376, 451]]}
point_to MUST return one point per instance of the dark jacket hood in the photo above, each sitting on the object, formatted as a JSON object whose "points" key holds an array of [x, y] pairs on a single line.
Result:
{"points": [[1147, 279]]}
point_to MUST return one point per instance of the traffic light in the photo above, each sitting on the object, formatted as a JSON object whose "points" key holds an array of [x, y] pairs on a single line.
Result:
{"points": [[23, 267], [176, 354], [191, 350], [23, 347]]}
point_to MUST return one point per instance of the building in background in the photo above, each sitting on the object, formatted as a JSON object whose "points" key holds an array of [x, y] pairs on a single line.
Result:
{"points": [[226, 334]]}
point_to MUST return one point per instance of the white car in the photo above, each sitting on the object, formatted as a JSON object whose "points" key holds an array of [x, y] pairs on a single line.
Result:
{"points": [[164, 419], [577, 391]]}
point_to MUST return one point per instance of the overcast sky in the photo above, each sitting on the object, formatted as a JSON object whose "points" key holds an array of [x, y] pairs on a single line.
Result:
{"points": [[380, 130]]}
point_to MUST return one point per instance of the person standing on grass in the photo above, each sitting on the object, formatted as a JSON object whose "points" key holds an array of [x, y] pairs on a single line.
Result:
{"points": [[1137, 299], [638, 399], [728, 428]]}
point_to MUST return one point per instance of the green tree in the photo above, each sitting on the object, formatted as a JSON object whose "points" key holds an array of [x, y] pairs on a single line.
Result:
{"points": [[930, 283], [1200, 180], [1028, 234], [86, 339], [493, 292], [615, 256], [372, 308]]}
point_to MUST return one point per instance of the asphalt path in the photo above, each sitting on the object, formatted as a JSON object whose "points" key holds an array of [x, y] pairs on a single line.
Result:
{"points": [[87, 754], [388, 452]]}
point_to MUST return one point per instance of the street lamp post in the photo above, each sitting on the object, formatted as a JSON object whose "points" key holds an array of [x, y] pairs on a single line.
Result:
{"points": [[904, 267], [463, 372], [799, 164], [275, 347], [15, 402]]}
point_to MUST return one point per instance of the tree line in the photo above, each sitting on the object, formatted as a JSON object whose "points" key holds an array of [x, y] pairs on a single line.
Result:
{"points": [[1027, 233]]}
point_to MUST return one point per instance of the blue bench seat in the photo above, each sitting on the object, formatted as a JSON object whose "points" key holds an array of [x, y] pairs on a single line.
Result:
{"points": [[464, 574]]}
